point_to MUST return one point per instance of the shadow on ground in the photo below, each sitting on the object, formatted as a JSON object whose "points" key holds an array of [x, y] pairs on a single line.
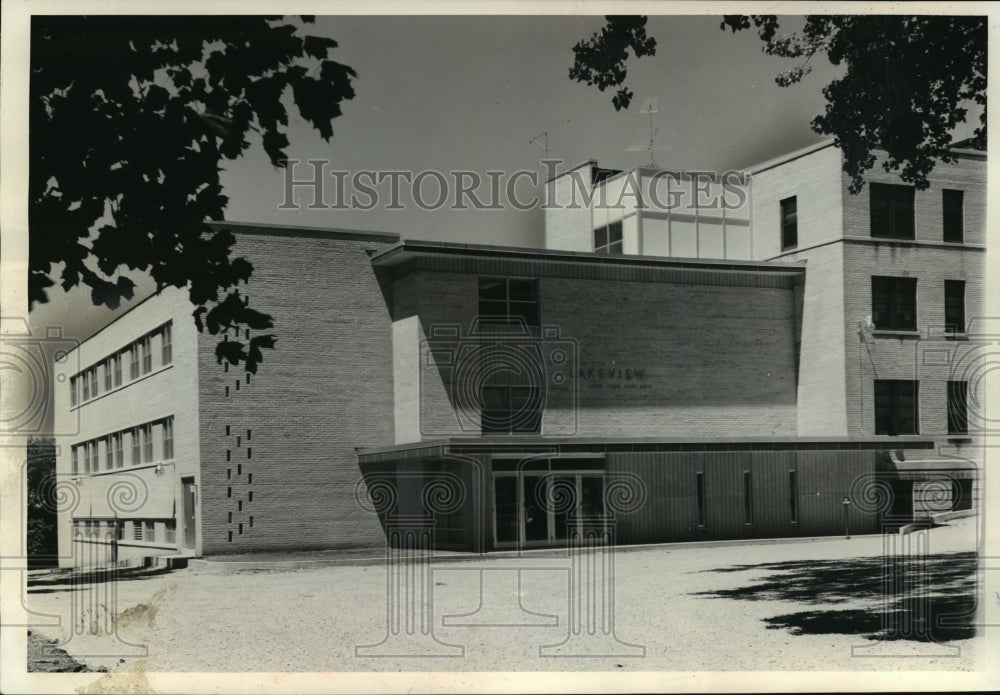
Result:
{"points": [[924, 599], [76, 580]]}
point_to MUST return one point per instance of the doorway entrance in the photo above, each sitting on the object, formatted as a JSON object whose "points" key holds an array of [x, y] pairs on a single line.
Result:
{"points": [[541, 504]]}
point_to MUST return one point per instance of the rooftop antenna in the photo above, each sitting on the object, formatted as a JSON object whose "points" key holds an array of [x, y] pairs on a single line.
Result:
{"points": [[645, 139], [541, 140]]}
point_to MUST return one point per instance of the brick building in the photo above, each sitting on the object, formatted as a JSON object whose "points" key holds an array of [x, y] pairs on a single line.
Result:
{"points": [[698, 343]]}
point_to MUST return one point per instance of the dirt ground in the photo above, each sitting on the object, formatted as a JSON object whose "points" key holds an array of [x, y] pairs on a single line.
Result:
{"points": [[820, 605]]}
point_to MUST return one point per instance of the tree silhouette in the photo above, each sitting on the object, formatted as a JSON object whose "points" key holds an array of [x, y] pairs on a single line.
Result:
{"points": [[130, 119], [906, 86]]}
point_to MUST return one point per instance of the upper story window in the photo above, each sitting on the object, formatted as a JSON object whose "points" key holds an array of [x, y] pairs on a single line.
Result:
{"points": [[145, 348], [167, 344], [954, 306], [133, 358], [508, 301], [954, 216], [72, 391], [789, 223], [891, 211], [894, 303], [116, 368], [896, 407], [608, 239], [958, 407]]}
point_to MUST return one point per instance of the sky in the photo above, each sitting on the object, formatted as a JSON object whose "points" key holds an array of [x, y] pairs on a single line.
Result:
{"points": [[448, 93]]}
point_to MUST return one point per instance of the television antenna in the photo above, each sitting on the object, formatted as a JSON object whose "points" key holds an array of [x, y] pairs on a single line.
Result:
{"points": [[541, 140], [648, 138]]}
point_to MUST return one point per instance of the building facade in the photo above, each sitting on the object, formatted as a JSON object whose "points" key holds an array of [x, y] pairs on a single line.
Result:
{"points": [[691, 356]]}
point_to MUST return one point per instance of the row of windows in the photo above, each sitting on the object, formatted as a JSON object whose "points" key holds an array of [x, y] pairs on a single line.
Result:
{"points": [[141, 530], [897, 407], [891, 214], [87, 384], [894, 304], [138, 441]]}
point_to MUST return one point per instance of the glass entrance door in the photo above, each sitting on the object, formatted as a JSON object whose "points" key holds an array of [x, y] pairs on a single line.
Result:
{"points": [[540, 509]]}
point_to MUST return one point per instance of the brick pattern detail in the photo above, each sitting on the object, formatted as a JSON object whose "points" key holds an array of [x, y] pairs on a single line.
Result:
{"points": [[325, 389]]}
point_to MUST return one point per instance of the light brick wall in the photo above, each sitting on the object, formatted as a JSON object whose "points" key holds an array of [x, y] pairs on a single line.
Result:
{"points": [[169, 390], [714, 360], [325, 389], [816, 182]]}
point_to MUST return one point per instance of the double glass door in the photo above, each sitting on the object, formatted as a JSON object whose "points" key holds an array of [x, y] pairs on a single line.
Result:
{"points": [[535, 509]]}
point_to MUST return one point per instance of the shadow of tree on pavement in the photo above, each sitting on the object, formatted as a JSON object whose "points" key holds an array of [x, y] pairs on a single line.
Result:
{"points": [[924, 599]]}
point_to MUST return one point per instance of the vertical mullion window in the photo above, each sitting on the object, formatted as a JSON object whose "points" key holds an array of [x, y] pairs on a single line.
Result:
{"points": [[793, 497], [954, 306], [119, 453], [700, 492], [116, 362], [168, 438], [747, 498], [136, 447], [954, 222], [894, 303], [86, 386], [147, 443], [891, 211], [167, 344], [147, 355], [896, 407], [75, 458], [789, 223], [108, 384], [72, 391], [109, 453], [93, 382], [509, 301], [958, 409], [608, 239], [133, 353]]}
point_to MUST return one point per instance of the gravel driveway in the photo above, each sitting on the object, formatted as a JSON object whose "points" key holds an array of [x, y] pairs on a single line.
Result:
{"points": [[779, 606]]}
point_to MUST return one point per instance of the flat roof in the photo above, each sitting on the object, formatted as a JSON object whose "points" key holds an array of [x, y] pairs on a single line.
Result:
{"points": [[410, 249], [306, 231], [538, 445]]}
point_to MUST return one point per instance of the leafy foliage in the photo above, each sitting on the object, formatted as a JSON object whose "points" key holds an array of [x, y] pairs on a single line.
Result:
{"points": [[903, 91], [40, 469], [130, 118], [601, 59]]}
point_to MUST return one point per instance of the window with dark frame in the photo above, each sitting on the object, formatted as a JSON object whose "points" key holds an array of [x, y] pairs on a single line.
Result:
{"points": [[954, 215], [896, 407], [700, 492], [108, 384], [894, 303], [958, 407], [608, 239], [510, 408], [789, 223], [747, 498], [72, 391], [891, 211], [954, 306], [508, 301], [793, 497], [168, 354]]}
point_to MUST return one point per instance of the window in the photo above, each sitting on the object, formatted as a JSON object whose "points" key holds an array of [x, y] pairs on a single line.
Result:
{"points": [[891, 211], [168, 438], [508, 301], [954, 306], [793, 497], [86, 458], [747, 498], [119, 453], [894, 303], [167, 346], [700, 491], [136, 530], [147, 355], [136, 447], [116, 366], [72, 391], [149, 532], [896, 407], [958, 408], [75, 458], [107, 375], [954, 223], [789, 223], [510, 408], [170, 531], [109, 453], [86, 386], [133, 353], [93, 382], [147, 442], [608, 239]]}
